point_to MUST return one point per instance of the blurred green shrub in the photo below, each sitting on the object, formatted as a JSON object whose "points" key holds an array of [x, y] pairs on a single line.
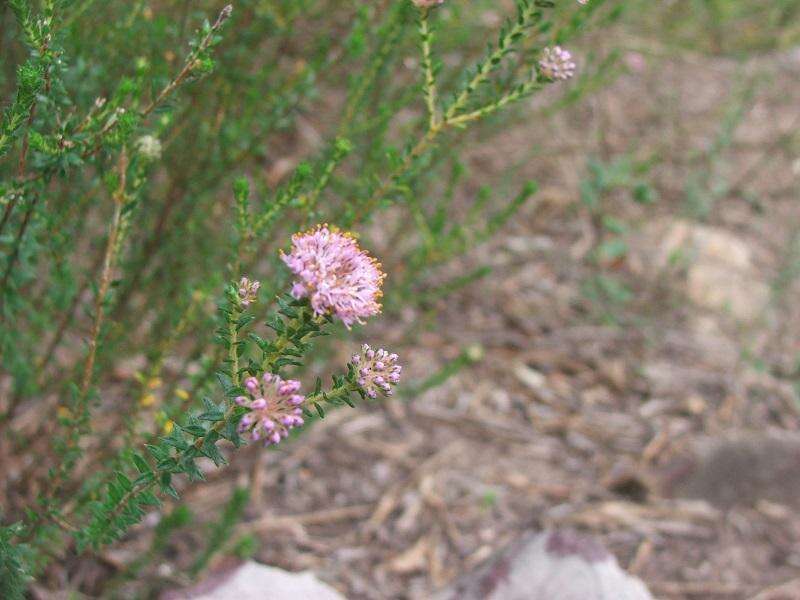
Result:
{"points": [[149, 158], [724, 26]]}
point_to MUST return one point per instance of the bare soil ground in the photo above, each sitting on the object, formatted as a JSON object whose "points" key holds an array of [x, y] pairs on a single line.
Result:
{"points": [[583, 410]]}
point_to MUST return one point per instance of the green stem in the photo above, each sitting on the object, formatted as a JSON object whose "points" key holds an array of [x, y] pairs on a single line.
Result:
{"points": [[283, 340], [189, 65], [337, 393], [520, 92], [427, 65], [233, 350], [82, 424]]}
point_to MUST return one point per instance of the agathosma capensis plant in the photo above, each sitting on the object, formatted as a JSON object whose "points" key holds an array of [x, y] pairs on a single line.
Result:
{"points": [[166, 270]]}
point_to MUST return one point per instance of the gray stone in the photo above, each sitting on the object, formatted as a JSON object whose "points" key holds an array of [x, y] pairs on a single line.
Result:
{"points": [[555, 565], [253, 581], [738, 469]]}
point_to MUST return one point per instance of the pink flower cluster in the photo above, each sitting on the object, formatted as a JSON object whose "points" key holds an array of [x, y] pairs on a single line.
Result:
{"points": [[336, 275], [376, 371], [556, 63], [274, 408], [248, 290]]}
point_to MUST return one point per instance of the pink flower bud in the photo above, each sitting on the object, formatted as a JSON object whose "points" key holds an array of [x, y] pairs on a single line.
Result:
{"points": [[248, 291], [274, 408], [556, 64], [378, 371]]}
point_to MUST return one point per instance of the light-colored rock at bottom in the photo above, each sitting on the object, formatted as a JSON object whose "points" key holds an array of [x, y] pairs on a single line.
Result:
{"points": [[787, 591], [253, 581], [555, 565]]}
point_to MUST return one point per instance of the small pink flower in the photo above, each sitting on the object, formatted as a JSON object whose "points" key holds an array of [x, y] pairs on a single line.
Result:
{"points": [[635, 61], [556, 63], [274, 408], [336, 275], [376, 371], [248, 291], [427, 3]]}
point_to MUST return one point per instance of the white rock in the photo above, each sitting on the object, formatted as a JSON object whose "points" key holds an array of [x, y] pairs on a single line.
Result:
{"points": [[718, 287], [556, 565], [720, 267], [253, 581], [532, 378]]}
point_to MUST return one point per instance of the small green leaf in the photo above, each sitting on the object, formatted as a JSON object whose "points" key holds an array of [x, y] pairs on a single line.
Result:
{"points": [[141, 463]]}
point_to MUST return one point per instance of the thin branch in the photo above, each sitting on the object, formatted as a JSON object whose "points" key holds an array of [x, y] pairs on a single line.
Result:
{"points": [[518, 93], [426, 36], [106, 276], [488, 64], [12, 259], [191, 61]]}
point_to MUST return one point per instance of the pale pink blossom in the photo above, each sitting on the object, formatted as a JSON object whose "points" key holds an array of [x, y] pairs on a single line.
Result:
{"points": [[635, 61], [556, 63], [335, 274]]}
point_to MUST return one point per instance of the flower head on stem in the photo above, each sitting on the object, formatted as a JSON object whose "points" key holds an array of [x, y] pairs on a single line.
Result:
{"points": [[556, 64], [335, 274], [248, 291], [274, 407], [376, 371]]}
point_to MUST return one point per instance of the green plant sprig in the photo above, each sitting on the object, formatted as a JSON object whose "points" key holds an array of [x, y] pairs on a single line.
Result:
{"points": [[429, 83], [198, 62], [528, 13], [126, 499]]}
